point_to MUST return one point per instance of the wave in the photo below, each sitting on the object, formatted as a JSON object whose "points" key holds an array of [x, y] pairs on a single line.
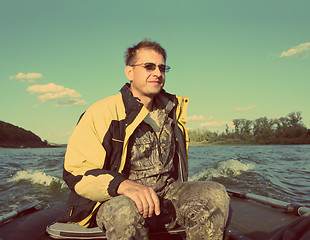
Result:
{"points": [[38, 177], [229, 168]]}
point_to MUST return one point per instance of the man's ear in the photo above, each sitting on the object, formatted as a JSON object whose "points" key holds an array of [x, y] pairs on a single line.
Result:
{"points": [[129, 72]]}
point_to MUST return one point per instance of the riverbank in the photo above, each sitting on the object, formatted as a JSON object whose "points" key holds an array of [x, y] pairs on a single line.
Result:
{"points": [[44, 146], [224, 144], [244, 143]]}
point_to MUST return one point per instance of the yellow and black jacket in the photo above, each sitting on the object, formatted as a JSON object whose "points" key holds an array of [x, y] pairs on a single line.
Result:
{"points": [[97, 151]]}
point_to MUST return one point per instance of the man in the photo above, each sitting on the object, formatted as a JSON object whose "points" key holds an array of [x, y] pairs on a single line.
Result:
{"points": [[126, 161]]}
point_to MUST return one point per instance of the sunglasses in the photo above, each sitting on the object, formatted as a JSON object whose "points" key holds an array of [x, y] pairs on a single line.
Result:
{"points": [[152, 66]]}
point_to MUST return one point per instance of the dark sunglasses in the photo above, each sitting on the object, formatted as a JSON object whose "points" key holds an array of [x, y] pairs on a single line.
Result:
{"points": [[152, 66]]}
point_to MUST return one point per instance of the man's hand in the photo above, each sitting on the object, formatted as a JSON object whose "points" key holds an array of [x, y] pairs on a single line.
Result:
{"points": [[145, 197]]}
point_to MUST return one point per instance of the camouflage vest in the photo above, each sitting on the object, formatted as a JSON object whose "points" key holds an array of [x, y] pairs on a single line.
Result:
{"points": [[151, 148]]}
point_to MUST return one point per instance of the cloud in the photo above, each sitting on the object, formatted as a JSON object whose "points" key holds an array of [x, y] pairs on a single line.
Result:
{"points": [[27, 77], [216, 124], [195, 117], [244, 108], [302, 50], [64, 97], [70, 103]]}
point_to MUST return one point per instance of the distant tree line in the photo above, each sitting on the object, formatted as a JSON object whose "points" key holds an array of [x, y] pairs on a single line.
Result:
{"points": [[16, 137], [284, 130]]}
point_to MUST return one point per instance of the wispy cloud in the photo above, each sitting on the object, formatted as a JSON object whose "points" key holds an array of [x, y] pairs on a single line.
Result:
{"points": [[198, 118], [216, 124], [244, 108], [61, 96], [302, 50], [70, 103], [27, 77], [195, 117]]}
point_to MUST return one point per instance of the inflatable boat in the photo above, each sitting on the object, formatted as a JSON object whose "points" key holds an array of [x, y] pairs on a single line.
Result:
{"points": [[251, 217]]}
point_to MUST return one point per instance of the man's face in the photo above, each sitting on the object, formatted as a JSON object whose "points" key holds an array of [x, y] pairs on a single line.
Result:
{"points": [[146, 83]]}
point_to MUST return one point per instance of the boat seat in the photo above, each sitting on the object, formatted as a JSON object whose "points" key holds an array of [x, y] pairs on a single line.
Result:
{"points": [[75, 231]]}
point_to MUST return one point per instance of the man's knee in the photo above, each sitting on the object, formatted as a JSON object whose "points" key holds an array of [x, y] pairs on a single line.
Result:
{"points": [[118, 211], [200, 201], [215, 193], [203, 209], [208, 192], [214, 198]]}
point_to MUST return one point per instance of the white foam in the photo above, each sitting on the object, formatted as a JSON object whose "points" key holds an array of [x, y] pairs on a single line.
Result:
{"points": [[228, 168], [36, 177]]}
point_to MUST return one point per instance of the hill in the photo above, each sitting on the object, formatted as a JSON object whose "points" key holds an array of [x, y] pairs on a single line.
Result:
{"points": [[12, 136]]}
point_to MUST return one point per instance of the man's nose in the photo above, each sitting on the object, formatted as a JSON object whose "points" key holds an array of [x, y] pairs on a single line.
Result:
{"points": [[157, 72]]}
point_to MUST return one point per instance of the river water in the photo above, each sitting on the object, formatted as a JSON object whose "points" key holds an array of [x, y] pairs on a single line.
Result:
{"points": [[280, 172]]}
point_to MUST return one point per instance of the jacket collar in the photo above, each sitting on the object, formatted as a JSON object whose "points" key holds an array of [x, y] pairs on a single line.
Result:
{"points": [[133, 104]]}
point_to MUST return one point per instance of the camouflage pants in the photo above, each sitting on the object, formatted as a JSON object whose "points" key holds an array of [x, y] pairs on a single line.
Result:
{"points": [[200, 207]]}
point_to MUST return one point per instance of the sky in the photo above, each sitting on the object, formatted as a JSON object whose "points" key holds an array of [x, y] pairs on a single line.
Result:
{"points": [[233, 58]]}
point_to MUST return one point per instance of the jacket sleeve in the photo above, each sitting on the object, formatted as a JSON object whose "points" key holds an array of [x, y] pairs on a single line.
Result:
{"points": [[85, 158]]}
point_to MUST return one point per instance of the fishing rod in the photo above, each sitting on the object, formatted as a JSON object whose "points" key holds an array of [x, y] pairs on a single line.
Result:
{"points": [[289, 207]]}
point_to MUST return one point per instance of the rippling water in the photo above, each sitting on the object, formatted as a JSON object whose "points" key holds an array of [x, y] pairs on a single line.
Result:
{"points": [[280, 172]]}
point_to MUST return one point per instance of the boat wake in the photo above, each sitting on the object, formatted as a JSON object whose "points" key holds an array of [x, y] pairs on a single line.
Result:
{"points": [[228, 169], [38, 177]]}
